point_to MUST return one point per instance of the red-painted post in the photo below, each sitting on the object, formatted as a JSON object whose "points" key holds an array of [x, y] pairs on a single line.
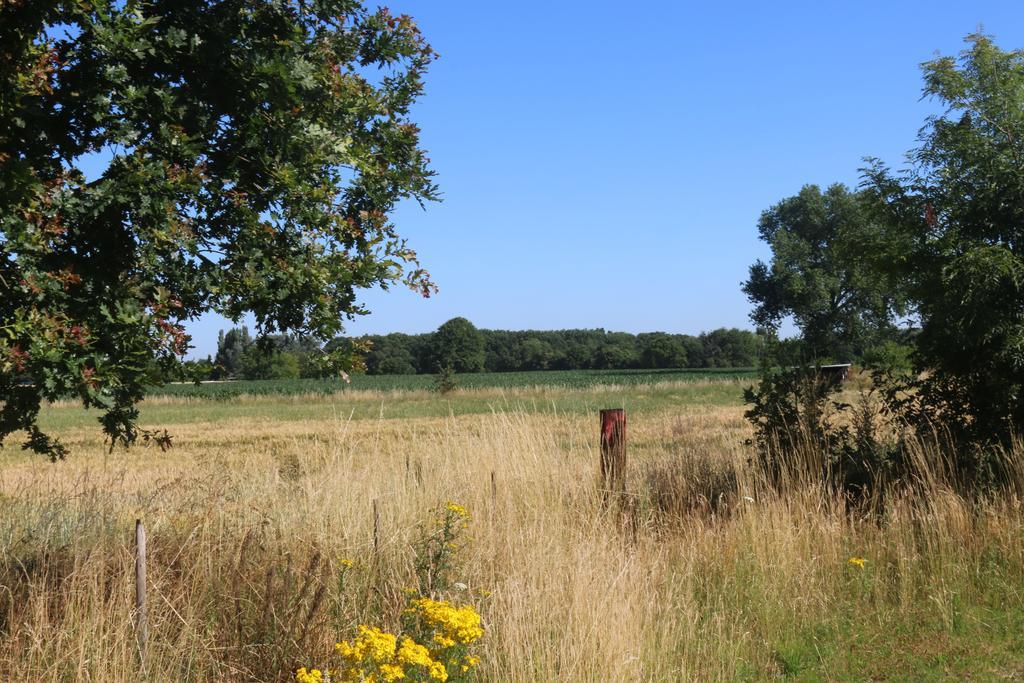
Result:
{"points": [[613, 450]]}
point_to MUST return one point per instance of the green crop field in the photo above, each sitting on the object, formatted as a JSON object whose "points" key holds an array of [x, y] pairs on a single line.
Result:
{"points": [[570, 379]]}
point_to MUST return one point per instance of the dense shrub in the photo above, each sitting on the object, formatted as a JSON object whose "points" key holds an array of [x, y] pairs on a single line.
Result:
{"points": [[802, 432]]}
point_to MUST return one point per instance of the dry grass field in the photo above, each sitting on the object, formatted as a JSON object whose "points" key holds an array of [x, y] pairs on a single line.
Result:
{"points": [[702, 574]]}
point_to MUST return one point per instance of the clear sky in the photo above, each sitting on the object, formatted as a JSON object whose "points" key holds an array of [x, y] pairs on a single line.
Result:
{"points": [[604, 164]]}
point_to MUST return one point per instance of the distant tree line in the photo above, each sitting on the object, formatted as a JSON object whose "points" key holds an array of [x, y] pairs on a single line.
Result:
{"points": [[464, 348], [242, 356], [459, 345]]}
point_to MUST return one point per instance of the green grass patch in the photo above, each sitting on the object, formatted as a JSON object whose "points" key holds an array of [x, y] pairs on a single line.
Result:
{"points": [[567, 379], [875, 645], [355, 405]]}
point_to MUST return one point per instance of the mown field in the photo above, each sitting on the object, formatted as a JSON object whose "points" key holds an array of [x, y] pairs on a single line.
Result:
{"points": [[262, 552], [574, 379]]}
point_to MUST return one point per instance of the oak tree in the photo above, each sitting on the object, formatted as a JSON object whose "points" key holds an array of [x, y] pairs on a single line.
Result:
{"points": [[250, 152]]}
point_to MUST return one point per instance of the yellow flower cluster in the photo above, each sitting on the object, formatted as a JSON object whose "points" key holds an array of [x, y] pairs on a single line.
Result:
{"points": [[375, 656], [412, 653], [452, 625], [371, 643], [856, 562], [456, 509], [435, 644], [310, 676]]}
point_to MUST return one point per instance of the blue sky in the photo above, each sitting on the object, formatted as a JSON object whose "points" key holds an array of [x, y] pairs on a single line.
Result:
{"points": [[605, 164]]}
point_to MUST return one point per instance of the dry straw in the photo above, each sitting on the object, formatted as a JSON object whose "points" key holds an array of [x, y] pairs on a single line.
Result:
{"points": [[247, 523]]}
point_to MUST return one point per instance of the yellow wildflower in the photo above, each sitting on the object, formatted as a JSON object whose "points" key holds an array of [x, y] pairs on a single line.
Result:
{"points": [[469, 662], [372, 642], [443, 640], [412, 653], [309, 676], [391, 672], [461, 624], [346, 563], [856, 562], [380, 645], [456, 509], [438, 672], [352, 653]]}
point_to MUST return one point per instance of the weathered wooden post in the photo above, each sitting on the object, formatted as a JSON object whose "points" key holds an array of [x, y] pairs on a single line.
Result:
{"points": [[613, 450], [141, 617]]}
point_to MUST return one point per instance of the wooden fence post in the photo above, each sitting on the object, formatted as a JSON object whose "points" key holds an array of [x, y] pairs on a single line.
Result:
{"points": [[141, 616], [613, 451]]}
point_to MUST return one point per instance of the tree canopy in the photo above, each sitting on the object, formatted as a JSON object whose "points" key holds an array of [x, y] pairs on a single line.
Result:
{"points": [[821, 275], [955, 239], [946, 237], [458, 346], [252, 153]]}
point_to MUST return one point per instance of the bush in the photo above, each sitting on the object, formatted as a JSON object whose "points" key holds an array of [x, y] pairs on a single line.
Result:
{"points": [[803, 433], [888, 357], [445, 382]]}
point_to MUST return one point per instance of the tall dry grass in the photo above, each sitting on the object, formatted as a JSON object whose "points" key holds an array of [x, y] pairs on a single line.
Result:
{"points": [[706, 575]]}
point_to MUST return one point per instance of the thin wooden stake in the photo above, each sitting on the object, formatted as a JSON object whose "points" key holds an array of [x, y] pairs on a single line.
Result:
{"points": [[613, 451], [376, 528], [493, 513], [141, 617]]}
